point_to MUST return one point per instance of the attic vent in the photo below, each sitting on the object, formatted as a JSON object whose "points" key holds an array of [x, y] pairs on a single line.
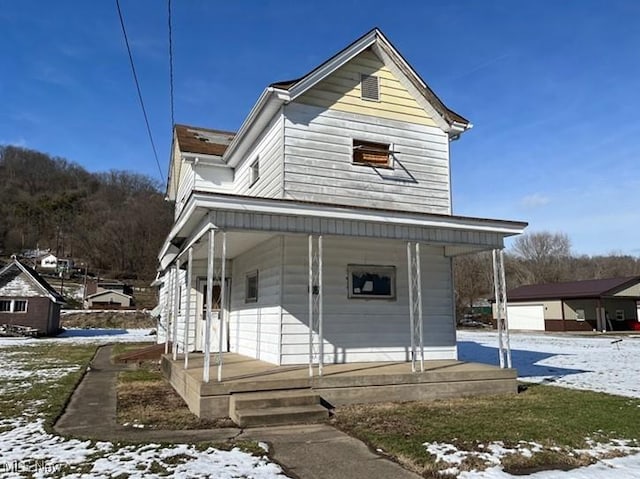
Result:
{"points": [[370, 87]]}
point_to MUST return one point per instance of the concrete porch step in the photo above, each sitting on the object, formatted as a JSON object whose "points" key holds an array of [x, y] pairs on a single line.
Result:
{"points": [[272, 416], [268, 408], [270, 399]]}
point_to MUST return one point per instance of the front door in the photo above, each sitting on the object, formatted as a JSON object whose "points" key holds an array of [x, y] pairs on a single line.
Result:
{"points": [[215, 317]]}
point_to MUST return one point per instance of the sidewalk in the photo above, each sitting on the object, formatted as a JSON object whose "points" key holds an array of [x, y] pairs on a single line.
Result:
{"points": [[313, 451]]}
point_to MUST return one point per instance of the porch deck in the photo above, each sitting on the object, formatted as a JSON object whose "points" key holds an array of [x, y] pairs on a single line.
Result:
{"points": [[340, 383]]}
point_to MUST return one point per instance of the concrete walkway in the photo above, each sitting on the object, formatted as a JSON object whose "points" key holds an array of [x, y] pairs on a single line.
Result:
{"points": [[315, 451]]}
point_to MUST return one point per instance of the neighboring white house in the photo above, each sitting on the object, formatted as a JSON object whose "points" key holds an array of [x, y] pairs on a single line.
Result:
{"points": [[108, 299], [330, 206], [49, 262]]}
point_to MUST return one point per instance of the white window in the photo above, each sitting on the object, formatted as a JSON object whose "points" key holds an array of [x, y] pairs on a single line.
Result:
{"points": [[254, 172], [619, 314], [372, 282], [251, 287], [371, 153], [370, 87], [580, 315]]}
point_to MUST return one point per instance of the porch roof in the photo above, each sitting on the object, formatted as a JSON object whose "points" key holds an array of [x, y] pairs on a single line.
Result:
{"points": [[236, 213]]}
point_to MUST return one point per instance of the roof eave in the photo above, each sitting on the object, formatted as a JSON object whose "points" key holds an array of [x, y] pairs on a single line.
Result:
{"points": [[270, 99]]}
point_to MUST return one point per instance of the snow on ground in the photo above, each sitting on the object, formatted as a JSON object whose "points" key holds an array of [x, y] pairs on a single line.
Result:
{"points": [[28, 450], [608, 364], [87, 336]]}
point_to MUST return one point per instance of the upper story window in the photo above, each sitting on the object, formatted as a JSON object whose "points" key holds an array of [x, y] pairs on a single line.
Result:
{"points": [[254, 172], [370, 87], [371, 153]]}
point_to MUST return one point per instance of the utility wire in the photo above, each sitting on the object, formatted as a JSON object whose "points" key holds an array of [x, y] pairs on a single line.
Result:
{"points": [[171, 66], [135, 79]]}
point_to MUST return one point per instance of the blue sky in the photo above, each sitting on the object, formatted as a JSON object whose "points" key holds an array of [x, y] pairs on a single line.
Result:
{"points": [[552, 88]]}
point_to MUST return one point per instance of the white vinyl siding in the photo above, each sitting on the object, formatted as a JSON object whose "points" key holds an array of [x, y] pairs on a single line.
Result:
{"points": [[318, 166], [360, 329], [255, 326], [268, 148]]}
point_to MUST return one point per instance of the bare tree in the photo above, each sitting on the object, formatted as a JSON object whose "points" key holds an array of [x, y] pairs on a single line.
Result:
{"points": [[544, 256], [473, 279]]}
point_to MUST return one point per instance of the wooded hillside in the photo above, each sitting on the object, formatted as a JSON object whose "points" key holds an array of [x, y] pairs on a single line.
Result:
{"points": [[114, 221]]}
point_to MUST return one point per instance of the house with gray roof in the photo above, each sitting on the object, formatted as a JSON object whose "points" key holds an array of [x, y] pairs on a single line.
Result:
{"points": [[27, 301]]}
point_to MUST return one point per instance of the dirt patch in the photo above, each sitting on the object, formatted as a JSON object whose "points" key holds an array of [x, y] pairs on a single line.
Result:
{"points": [[145, 397], [110, 320]]}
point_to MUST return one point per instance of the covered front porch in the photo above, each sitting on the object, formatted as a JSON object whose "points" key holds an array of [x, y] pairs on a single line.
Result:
{"points": [[245, 380]]}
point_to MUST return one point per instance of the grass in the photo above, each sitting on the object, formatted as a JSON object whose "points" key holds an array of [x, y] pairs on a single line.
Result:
{"points": [[146, 397], [45, 398], [551, 416]]}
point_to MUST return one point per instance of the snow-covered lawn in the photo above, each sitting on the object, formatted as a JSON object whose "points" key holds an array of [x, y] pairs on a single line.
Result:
{"points": [[609, 364], [606, 364], [28, 450]]}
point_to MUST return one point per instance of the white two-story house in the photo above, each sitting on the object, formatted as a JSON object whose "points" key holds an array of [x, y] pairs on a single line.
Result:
{"points": [[322, 230]]}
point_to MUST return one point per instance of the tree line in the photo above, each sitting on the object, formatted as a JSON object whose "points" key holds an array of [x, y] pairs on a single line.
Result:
{"points": [[115, 221], [535, 258]]}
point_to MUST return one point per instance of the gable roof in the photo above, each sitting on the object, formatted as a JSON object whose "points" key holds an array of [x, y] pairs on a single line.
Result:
{"points": [[280, 93], [9, 272], [369, 40], [205, 141], [592, 288], [107, 292]]}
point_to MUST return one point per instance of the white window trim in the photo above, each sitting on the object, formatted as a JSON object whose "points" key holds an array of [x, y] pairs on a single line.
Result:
{"points": [[578, 318], [254, 172], [12, 306], [248, 276], [389, 270], [621, 315]]}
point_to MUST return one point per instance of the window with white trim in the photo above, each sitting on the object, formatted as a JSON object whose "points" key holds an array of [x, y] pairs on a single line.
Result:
{"points": [[251, 287], [619, 314], [370, 87], [254, 172], [371, 153], [13, 306], [371, 282], [580, 315]]}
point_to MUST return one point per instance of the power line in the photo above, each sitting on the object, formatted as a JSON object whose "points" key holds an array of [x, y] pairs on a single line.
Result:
{"points": [[135, 79], [171, 65]]}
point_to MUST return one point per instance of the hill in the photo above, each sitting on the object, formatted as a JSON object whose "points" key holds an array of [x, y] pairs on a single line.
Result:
{"points": [[114, 221]]}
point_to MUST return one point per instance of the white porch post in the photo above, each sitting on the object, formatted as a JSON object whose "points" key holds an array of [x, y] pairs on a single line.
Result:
{"points": [[320, 318], [176, 310], [168, 310], [415, 303], [502, 321], [310, 300], [209, 299], [315, 304], [222, 303], [419, 291], [187, 308]]}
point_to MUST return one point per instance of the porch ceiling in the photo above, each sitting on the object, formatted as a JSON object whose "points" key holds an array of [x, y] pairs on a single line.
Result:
{"points": [[237, 243]]}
